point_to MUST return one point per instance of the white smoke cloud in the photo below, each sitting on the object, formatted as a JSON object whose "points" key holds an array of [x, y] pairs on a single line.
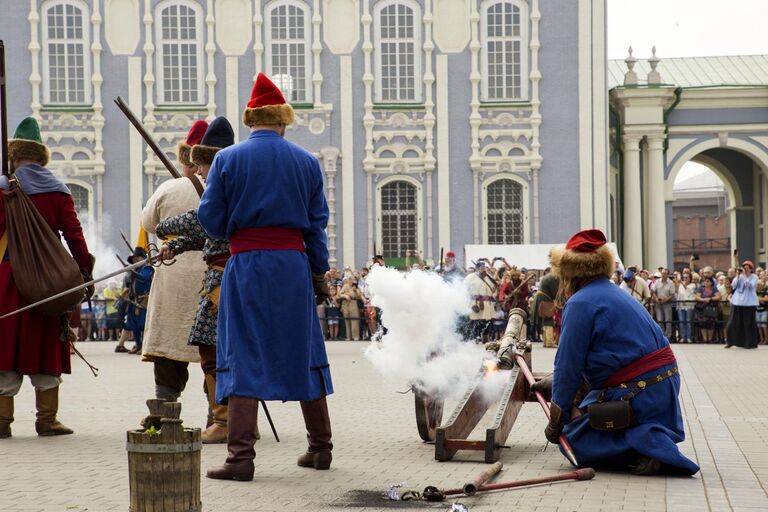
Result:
{"points": [[420, 310], [106, 261]]}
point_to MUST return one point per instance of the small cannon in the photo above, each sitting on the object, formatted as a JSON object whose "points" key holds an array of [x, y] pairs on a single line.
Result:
{"points": [[452, 436]]}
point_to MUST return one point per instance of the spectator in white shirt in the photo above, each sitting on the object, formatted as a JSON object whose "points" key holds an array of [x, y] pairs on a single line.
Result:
{"points": [[663, 293], [686, 296]]}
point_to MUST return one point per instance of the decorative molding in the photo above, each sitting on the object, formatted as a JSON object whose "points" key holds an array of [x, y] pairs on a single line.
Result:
{"points": [[329, 157], [317, 50], [34, 50], [341, 25], [150, 161], [258, 45], [122, 26], [210, 50]]}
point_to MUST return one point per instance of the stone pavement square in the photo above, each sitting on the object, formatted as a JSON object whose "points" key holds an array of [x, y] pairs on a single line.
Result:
{"points": [[376, 444]]}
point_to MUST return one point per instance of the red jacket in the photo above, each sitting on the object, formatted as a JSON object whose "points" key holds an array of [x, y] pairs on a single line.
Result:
{"points": [[30, 342]]}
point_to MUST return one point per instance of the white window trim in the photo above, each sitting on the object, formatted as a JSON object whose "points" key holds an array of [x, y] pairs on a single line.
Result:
{"points": [[419, 210], [87, 89], [306, 9], [419, 46], [89, 189], [524, 50], [199, 41], [526, 204]]}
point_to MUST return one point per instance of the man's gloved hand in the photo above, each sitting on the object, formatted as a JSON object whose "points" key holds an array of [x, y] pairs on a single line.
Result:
{"points": [[555, 426], [320, 285], [544, 386]]}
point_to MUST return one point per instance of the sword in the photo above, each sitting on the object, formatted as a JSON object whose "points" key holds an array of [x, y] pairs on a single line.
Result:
{"points": [[83, 286]]}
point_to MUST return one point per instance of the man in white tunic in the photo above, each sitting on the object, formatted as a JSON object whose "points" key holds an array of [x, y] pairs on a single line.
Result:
{"points": [[176, 288]]}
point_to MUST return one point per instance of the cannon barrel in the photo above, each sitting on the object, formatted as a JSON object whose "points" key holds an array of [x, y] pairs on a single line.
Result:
{"points": [[514, 335]]}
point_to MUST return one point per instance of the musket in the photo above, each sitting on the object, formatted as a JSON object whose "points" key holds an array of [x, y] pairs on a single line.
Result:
{"points": [[147, 138], [125, 239], [442, 265], [83, 286], [4, 112]]}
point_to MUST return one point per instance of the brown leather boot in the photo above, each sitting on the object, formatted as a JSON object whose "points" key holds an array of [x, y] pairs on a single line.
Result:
{"points": [[216, 433], [239, 463], [47, 407], [318, 425], [6, 416]]}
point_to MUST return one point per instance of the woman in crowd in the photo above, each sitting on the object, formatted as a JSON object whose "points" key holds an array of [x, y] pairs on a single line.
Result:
{"points": [[725, 290], [333, 313], [762, 307], [707, 298], [686, 298], [742, 324], [350, 294]]}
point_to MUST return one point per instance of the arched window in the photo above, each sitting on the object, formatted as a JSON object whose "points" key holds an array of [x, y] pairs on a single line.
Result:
{"points": [[81, 197], [66, 59], [505, 215], [399, 218], [288, 59], [179, 53], [397, 38], [504, 50]]}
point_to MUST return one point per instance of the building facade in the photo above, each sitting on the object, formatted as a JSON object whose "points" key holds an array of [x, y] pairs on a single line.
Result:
{"points": [[438, 123]]}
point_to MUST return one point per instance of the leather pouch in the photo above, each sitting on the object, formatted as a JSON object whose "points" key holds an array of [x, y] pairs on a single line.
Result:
{"points": [[613, 415]]}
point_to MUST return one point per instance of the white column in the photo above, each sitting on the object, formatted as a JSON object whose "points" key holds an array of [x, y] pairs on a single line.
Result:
{"points": [[655, 204], [443, 155], [347, 163], [135, 146], [232, 81], [632, 253]]}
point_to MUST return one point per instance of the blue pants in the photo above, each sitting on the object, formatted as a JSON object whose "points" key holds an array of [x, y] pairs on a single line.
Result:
{"points": [[685, 316]]}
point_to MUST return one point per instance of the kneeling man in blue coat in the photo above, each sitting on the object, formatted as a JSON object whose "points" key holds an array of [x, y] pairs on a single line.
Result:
{"points": [[265, 195], [614, 356]]}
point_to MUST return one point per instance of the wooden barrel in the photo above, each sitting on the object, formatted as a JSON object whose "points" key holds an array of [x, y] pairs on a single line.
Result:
{"points": [[164, 466]]}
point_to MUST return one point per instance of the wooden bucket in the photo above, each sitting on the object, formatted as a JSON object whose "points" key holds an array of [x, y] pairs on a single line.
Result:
{"points": [[164, 466]]}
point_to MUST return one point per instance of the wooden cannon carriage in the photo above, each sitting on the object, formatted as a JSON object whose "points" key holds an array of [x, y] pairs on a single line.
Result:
{"points": [[452, 435]]}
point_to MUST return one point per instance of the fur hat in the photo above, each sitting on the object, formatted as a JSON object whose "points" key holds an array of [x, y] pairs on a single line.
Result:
{"points": [[585, 255], [194, 136], [267, 105], [219, 135], [27, 144]]}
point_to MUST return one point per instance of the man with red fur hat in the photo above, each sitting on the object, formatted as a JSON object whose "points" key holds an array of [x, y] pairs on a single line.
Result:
{"points": [[265, 195], [614, 355], [175, 288]]}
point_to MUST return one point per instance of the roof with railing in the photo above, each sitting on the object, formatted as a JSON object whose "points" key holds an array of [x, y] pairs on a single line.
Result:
{"points": [[723, 71]]}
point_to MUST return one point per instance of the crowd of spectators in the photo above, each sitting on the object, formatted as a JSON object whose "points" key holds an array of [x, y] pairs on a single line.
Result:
{"points": [[691, 305], [704, 306]]}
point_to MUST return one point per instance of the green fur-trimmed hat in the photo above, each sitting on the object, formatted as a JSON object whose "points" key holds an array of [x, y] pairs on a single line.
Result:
{"points": [[27, 144], [219, 135]]}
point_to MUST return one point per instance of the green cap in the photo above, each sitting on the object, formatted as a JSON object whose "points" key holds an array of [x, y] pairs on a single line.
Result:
{"points": [[28, 129]]}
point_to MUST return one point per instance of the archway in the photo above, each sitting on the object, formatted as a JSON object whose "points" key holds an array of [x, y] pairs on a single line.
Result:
{"points": [[701, 216]]}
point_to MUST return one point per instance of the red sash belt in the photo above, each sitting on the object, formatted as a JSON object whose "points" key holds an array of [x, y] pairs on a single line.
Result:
{"points": [[653, 361], [220, 260], [266, 239]]}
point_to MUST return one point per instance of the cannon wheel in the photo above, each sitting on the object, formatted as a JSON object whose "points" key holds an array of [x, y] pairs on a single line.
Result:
{"points": [[429, 414]]}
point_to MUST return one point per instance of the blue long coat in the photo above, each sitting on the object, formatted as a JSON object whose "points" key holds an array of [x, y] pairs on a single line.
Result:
{"points": [[604, 330], [270, 345]]}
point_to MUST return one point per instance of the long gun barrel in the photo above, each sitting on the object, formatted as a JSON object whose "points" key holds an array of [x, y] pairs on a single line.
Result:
{"points": [[4, 112], [147, 138]]}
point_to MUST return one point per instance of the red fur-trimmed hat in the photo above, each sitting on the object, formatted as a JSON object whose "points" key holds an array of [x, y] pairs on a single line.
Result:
{"points": [[584, 255], [195, 135], [267, 105]]}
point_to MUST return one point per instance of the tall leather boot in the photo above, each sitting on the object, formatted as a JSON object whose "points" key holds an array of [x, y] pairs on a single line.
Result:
{"points": [[239, 463], [318, 425], [216, 433], [6, 416], [47, 407]]}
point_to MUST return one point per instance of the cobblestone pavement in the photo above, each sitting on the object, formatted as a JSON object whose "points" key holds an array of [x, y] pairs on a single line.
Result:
{"points": [[376, 444]]}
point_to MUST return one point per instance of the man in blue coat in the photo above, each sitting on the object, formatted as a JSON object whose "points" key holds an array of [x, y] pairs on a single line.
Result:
{"points": [[265, 195], [615, 356]]}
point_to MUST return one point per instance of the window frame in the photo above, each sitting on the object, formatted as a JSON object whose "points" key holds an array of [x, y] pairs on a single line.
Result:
{"points": [[45, 54], [525, 206], [89, 190], [307, 41], [418, 87], [525, 57], [199, 42], [419, 211]]}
